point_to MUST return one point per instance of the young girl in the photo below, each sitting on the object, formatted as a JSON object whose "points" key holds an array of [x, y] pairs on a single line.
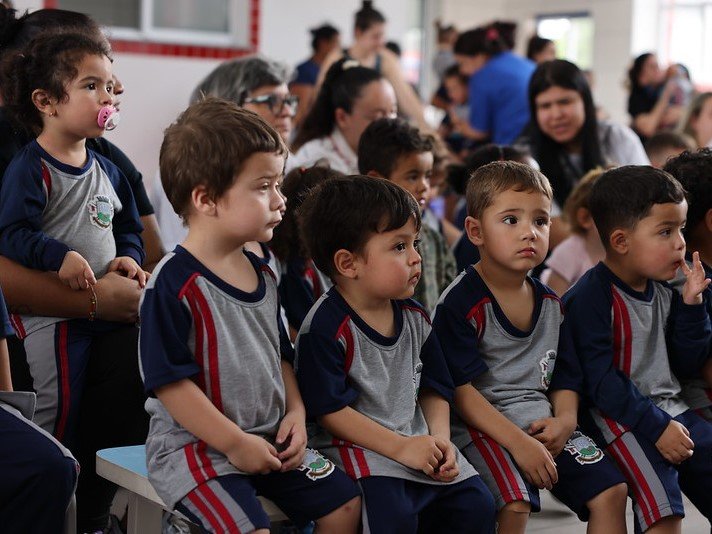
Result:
{"points": [[301, 283], [582, 249], [65, 209]]}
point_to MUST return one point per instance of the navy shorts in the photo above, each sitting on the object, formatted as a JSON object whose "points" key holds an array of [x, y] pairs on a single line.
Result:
{"points": [[229, 503], [584, 472], [394, 506]]}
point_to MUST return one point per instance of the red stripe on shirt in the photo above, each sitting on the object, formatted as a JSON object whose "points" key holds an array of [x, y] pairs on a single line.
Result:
{"points": [[313, 278], [213, 363], [345, 458], [204, 509], [345, 332], [209, 495], [63, 352], [361, 461], [621, 333], [199, 342], [205, 461], [421, 311], [47, 179], [477, 312], [17, 325], [193, 466]]}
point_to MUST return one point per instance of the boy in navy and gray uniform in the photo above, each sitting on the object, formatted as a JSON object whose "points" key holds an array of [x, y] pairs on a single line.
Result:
{"points": [[38, 474], [227, 420], [371, 370], [631, 333], [694, 171], [517, 379]]}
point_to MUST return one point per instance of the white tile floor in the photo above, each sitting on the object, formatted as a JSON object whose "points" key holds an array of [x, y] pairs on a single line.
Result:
{"points": [[555, 518]]}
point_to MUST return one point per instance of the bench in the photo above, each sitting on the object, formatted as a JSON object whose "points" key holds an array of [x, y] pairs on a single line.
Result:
{"points": [[126, 467]]}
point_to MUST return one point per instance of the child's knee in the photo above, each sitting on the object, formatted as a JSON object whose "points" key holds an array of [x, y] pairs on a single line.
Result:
{"points": [[521, 507], [611, 498], [345, 518]]}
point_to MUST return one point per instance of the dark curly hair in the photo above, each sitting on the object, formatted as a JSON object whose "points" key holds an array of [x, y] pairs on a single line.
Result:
{"points": [[694, 171], [386, 140]]}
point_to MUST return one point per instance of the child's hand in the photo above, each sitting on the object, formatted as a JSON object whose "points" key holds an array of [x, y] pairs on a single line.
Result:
{"points": [[292, 435], [675, 444], [536, 462], [696, 281], [253, 455], [552, 432], [76, 272], [130, 267], [448, 469], [422, 453]]}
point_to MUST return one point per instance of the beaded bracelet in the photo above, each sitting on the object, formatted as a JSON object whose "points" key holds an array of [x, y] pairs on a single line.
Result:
{"points": [[92, 303]]}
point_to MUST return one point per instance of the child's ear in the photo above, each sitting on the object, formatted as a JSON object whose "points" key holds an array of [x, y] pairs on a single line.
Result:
{"points": [[201, 202], [345, 263], [340, 117], [374, 174], [473, 228], [43, 102], [618, 241]]}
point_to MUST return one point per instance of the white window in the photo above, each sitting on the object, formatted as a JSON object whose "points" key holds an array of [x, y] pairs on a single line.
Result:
{"points": [[215, 23], [572, 34]]}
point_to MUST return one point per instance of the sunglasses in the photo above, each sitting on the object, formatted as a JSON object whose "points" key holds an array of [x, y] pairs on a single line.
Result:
{"points": [[276, 103]]}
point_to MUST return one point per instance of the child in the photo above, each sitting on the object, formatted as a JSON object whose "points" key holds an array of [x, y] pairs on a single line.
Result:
{"points": [[396, 151], [454, 127], [371, 370], [516, 387], [665, 145], [64, 208], [302, 283], [38, 474], [631, 333], [693, 170], [227, 420], [582, 249]]}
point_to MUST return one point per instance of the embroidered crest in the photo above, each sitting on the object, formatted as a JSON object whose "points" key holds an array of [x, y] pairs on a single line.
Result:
{"points": [[101, 211], [316, 466], [416, 378], [583, 449], [546, 365]]}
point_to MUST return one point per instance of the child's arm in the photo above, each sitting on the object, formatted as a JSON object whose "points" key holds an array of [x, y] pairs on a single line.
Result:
{"points": [[533, 459], [553, 432], [436, 411], [292, 433], [189, 406], [5, 378]]}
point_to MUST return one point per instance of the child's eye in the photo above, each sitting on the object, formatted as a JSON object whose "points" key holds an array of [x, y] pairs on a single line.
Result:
{"points": [[510, 219], [416, 245], [665, 232], [91, 86], [400, 247], [542, 221]]}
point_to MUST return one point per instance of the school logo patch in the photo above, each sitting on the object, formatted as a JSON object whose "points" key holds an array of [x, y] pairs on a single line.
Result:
{"points": [[101, 211], [416, 378], [315, 466], [546, 365], [583, 449]]}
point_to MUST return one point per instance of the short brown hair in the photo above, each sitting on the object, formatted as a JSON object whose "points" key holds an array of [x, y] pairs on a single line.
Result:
{"points": [[579, 199], [498, 176], [208, 145]]}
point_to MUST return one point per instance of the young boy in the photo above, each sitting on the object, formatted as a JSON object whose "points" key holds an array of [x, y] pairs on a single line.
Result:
{"points": [[694, 171], [371, 370], [396, 151], [515, 376], [227, 420], [665, 145], [632, 332]]}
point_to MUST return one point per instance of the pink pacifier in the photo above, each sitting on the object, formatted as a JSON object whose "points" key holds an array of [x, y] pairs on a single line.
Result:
{"points": [[108, 117]]}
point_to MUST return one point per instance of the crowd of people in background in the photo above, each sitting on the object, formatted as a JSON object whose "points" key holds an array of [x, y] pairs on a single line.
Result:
{"points": [[519, 130]]}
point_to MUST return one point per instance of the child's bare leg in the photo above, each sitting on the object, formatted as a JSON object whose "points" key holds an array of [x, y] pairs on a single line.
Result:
{"points": [[513, 517], [344, 519], [608, 511], [667, 525]]}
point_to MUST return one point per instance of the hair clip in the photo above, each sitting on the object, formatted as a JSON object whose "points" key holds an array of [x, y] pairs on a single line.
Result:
{"points": [[492, 34]]}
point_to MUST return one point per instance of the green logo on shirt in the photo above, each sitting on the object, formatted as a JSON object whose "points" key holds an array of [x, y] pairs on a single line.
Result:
{"points": [[546, 364], [316, 466], [101, 211], [583, 449]]}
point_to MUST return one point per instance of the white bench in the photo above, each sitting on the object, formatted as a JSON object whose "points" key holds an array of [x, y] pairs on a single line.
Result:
{"points": [[126, 467]]}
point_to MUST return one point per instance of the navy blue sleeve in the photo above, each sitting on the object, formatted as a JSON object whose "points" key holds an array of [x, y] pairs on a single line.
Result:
{"points": [[567, 369], [126, 225], [296, 295], [436, 375], [163, 340], [459, 342], [22, 202], [286, 350], [588, 324], [689, 335], [321, 374]]}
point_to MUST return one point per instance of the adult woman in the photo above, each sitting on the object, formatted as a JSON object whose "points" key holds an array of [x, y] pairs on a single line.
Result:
{"points": [[325, 39], [369, 50], [697, 122], [255, 83], [113, 395], [350, 99], [565, 137], [498, 82], [649, 102]]}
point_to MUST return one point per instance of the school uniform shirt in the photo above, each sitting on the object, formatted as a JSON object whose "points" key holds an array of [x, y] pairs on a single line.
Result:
{"points": [[628, 344], [511, 368], [300, 286], [695, 391], [332, 148], [48, 208], [438, 267], [194, 325], [341, 361]]}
